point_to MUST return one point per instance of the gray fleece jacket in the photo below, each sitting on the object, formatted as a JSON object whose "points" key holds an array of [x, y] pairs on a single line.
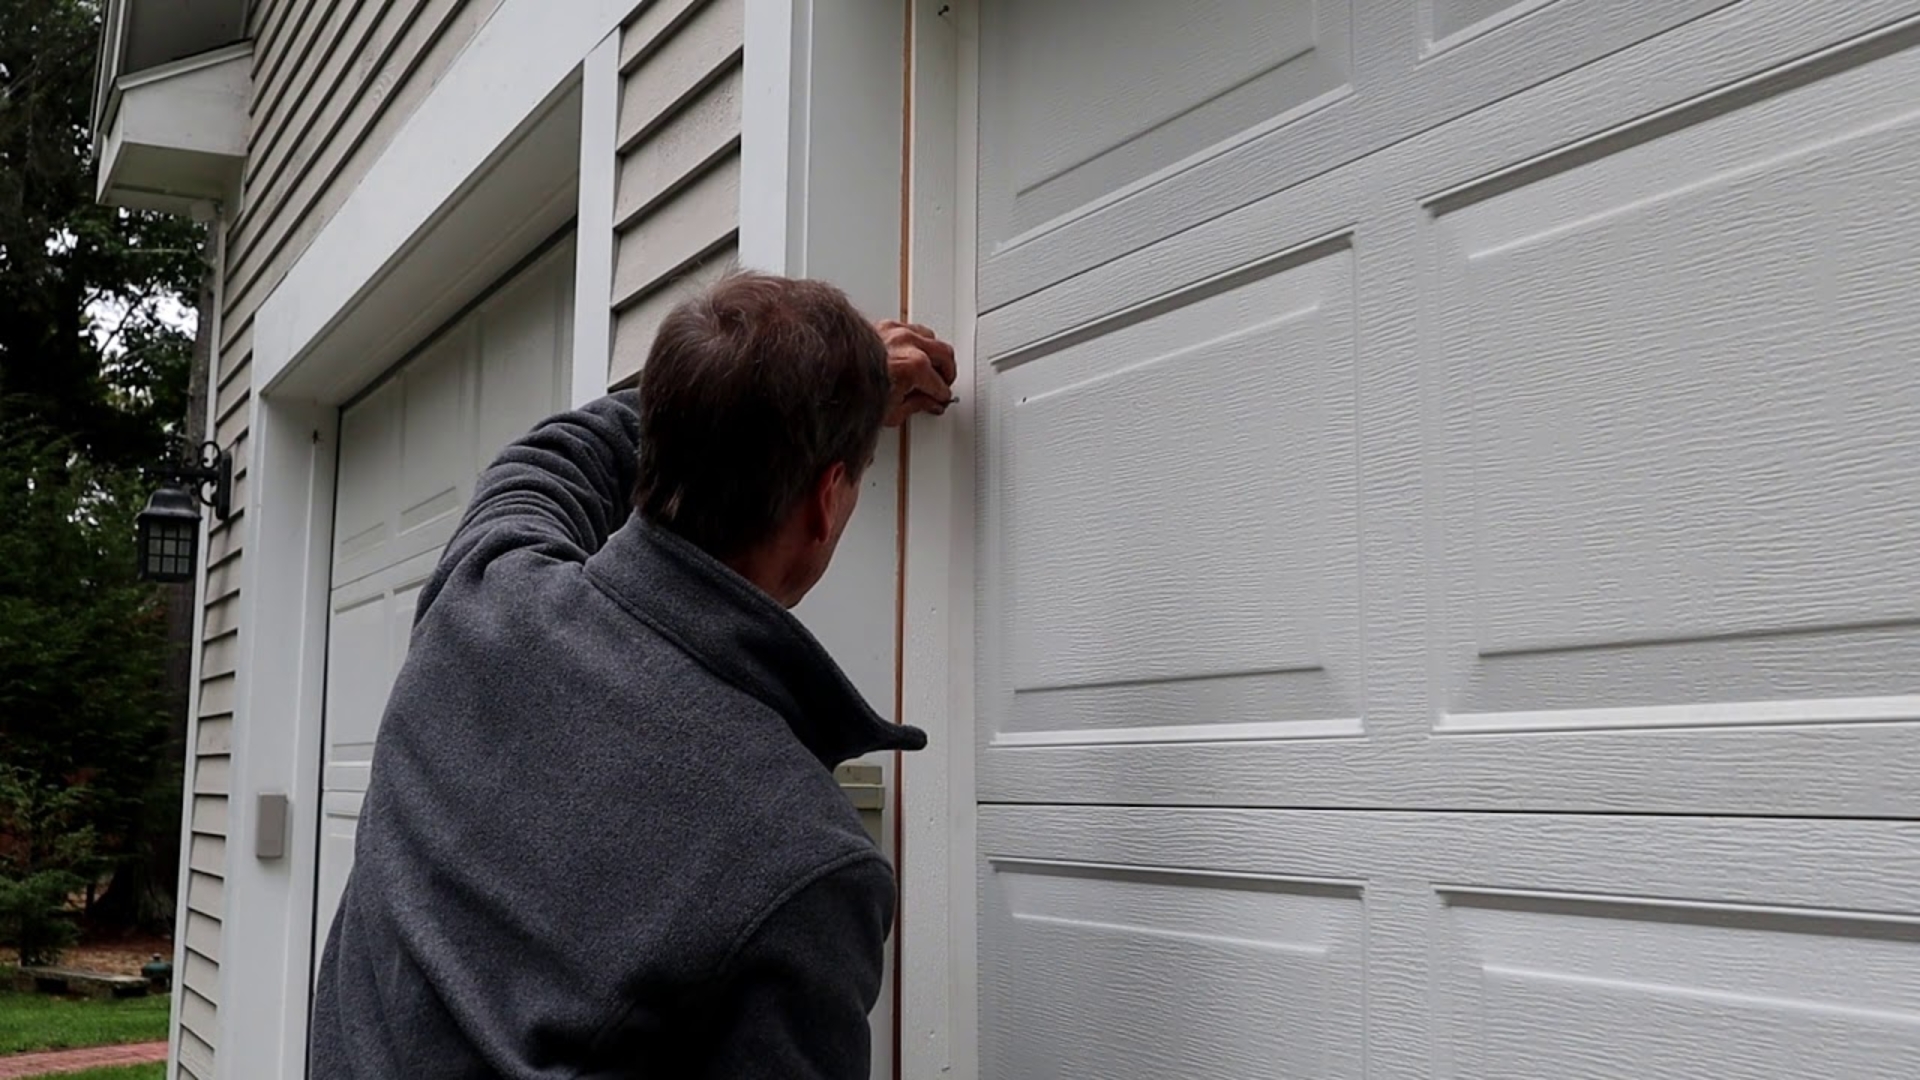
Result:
{"points": [[602, 837]]}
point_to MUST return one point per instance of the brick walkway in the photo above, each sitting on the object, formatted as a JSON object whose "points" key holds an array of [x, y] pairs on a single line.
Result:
{"points": [[19, 1066]]}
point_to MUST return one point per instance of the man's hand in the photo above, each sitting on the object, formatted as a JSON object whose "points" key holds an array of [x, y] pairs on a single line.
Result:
{"points": [[921, 369]]}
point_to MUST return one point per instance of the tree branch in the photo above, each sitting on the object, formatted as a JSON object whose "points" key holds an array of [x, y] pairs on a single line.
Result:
{"points": [[133, 308]]}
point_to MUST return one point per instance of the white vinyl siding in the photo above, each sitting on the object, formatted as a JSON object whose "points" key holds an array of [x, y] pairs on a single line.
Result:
{"points": [[677, 203]]}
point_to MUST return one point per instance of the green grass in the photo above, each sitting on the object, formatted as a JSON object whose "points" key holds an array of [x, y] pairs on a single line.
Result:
{"points": [[120, 1072], [43, 1022]]}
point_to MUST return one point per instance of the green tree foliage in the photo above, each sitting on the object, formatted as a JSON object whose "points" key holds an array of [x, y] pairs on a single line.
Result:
{"points": [[83, 717], [85, 348], [94, 367], [48, 853]]}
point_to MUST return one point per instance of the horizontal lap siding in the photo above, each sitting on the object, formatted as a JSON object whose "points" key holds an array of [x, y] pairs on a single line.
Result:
{"points": [[333, 80], [677, 199]]}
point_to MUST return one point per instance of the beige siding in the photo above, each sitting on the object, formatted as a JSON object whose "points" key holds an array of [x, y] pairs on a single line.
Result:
{"points": [[196, 1053], [197, 1015], [677, 203], [207, 893], [333, 80]]}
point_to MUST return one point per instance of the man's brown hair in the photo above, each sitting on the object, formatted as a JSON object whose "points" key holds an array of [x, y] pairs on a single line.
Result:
{"points": [[753, 389]]}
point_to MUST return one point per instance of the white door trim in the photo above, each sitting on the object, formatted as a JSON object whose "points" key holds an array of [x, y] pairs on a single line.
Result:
{"points": [[939, 1008], [772, 118], [416, 241], [821, 170], [594, 251], [276, 737]]}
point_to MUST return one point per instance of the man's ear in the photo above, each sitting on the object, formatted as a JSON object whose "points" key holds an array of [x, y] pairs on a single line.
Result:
{"points": [[823, 503]]}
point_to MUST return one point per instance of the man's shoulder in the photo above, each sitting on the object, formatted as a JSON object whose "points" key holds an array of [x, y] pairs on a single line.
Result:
{"points": [[835, 897], [783, 795]]}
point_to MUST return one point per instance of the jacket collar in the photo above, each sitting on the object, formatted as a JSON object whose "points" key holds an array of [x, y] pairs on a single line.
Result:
{"points": [[744, 637]]}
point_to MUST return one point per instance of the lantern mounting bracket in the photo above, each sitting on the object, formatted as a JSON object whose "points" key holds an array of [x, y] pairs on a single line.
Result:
{"points": [[211, 479]]}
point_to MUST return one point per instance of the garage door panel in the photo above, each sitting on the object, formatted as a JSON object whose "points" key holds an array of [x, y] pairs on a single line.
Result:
{"points": [[1796, 767], [1121, 154], [1447, 24], [1489, 945], [1268, 971], [436, 403], [359, 675], [1189, 78], [1660, 488], [367, 637], [1163, 484], [1675, 398], [363, 507], [1817, 677], [408, 459], [1757, 991], [339, 825], [530, 317], [1599, 108]]}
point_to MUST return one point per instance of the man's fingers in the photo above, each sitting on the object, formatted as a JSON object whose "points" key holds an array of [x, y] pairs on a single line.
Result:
{"points": [[914, 403], [887, 326], [940, 354], [921, 367], [937, 352], [915, 369]]}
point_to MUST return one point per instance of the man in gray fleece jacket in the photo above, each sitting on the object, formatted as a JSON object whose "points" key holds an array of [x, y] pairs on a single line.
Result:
{"points": [[602, 837]]}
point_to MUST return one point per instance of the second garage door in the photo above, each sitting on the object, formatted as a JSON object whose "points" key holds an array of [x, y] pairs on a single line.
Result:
{"points": [[410, 450], [1451, 476]]}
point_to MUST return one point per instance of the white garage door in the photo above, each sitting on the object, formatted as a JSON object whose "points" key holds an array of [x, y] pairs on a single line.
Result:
{"points": [[409, 453], [1450, 539]]}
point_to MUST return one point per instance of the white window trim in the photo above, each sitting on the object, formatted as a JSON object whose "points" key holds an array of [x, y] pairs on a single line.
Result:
{"points": [[334, 322]]}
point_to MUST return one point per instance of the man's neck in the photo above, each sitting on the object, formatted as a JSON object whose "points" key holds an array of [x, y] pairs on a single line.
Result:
{"points": [[769, 570]]}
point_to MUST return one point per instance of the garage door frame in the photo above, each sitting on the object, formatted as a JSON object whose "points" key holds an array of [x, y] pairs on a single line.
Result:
{"points": [[939, 1013], [417, 243]]}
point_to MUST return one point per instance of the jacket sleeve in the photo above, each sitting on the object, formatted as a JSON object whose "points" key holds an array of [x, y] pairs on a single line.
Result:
{"points": [[561, 490], [797, 994]]}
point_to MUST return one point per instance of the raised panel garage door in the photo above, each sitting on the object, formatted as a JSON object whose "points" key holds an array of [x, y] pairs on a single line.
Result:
{"points": [[409, 453], [1449, 598]]}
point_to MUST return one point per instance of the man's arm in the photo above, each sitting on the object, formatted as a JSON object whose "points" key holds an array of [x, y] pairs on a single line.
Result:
{"points": [[798, 993], [562, 490]]}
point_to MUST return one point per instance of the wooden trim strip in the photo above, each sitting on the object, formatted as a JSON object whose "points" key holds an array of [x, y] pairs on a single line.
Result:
{"points": [[900, 554]]}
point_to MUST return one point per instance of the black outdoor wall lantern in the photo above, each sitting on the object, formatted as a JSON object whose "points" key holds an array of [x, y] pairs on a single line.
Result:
{"points": [[170, 525]]}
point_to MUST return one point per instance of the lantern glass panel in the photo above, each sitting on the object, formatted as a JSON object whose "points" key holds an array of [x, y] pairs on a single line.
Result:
{"points": [[169, 536]]}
